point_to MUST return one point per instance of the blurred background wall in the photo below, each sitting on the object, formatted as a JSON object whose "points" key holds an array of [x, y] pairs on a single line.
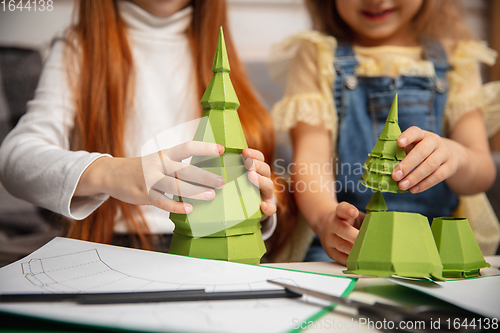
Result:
{"points": [[256, 26]]}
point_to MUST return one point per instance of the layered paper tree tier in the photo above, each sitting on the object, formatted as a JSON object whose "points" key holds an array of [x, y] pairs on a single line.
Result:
{"points": [[235, 210], [458, 248], [248, 248], [385, 156], [395, 243]]}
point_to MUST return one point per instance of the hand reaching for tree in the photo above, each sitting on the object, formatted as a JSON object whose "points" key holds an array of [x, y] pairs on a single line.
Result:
{"points": [[340, 230], [430, 160], [146, 180]]}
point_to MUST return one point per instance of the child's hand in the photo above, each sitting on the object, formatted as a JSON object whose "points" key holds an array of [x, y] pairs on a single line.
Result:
{"points": [[431, 157], [146, 180], [340, 231], [259, 173]]}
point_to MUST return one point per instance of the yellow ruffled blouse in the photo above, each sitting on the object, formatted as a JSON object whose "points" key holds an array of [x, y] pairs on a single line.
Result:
{"points": [[304, 63]]}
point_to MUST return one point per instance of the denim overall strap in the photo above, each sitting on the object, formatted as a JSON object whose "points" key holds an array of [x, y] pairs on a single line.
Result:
{"points": [[434, 52], [345, 64], [363, 104]]}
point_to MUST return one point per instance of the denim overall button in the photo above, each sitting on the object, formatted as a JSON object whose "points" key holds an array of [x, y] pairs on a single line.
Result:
{"points": [[351, 82], [441, 85]]}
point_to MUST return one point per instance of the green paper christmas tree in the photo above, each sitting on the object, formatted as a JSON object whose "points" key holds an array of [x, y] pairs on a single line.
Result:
{"points": [[385, 156], [391, 243], [227, 227]]}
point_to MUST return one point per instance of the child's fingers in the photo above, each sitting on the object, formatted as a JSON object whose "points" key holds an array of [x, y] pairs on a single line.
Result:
{"points": [[158, 200], [416, 156], [359, 220], [338, 256], [253, 177], [262, 168], [342, 245], [410, 147], [347, 211], [345, 230], [194, 174], [192, 148], [265, 184], [268, 207], [253, 153], [178, 187], [427, 167], [412, 134], [442, 173]]}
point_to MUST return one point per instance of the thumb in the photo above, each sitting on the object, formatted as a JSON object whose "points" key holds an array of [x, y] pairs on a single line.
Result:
{"points": [[347, 212]]}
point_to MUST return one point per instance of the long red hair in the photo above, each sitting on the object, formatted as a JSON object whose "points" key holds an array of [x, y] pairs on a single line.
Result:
{"points": [[103, 90]]}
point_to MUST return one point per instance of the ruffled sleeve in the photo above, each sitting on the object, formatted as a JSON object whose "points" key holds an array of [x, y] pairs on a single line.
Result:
{"points": [[466, 93], [305, 63]]}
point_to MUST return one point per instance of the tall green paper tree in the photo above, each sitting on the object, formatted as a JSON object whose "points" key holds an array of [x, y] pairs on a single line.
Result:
{"points": [[384, 157], [227, 227]]}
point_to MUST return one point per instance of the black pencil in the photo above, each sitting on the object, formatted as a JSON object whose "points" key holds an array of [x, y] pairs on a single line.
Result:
{"points": [[149, 296]]}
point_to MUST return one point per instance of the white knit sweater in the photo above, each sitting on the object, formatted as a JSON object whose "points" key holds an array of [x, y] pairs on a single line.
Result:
{"points": [[36, 163]]}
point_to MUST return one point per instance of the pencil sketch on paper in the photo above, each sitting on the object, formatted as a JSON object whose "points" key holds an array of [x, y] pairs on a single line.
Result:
{"points": [[85, 271], [72, 266]]}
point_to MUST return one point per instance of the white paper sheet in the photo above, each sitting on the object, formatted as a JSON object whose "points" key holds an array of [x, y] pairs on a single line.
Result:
{"points": [[479, 295], [66, 265]]}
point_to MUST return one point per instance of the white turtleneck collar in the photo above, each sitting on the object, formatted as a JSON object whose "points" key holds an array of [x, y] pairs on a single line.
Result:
{"points": [[141, 21]]}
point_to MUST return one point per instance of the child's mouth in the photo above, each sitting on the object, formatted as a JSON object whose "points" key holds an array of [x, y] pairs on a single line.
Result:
{"points": [[378, 14]]}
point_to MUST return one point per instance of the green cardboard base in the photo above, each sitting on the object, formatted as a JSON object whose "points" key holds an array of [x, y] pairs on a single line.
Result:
{"points": [[457, 247], [246, 249], [451, 274], [395, 243]]}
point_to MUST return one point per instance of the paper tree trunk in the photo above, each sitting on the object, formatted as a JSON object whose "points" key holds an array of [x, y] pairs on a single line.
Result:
{"points": [[376, 203], [227, 227], [458, 248], [391, 243]]}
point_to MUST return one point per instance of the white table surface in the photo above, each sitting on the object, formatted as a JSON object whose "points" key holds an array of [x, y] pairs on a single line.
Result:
{"points": [[366, 290]]}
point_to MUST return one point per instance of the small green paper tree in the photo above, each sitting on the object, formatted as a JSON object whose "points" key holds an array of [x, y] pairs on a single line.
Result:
{"points": [[384, 157], [391, 243], [227, 227]]}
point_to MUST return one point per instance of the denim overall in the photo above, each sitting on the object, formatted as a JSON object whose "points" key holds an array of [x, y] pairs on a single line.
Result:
{"points": [[363, 104]]}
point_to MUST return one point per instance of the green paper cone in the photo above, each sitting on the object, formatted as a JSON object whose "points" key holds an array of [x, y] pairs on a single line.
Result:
{"points": [[376, 203], [227, 227], [458, 248], [385, 156], [391, 129], [395, 243]]}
